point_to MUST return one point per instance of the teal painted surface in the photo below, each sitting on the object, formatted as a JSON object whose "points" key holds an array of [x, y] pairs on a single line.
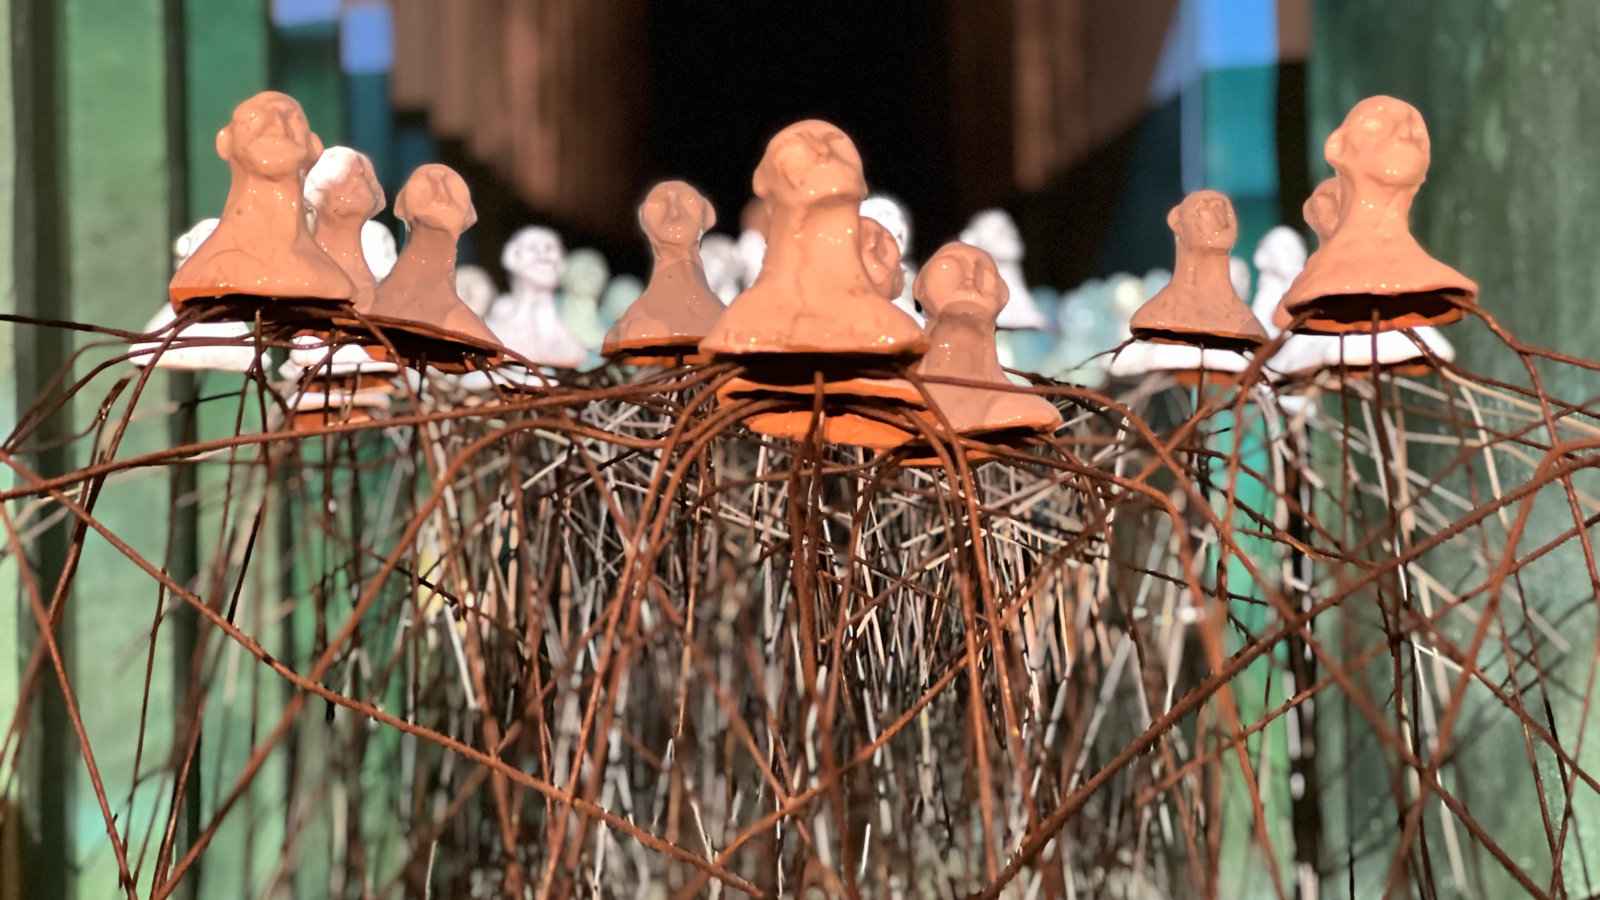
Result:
{"points": [[305, 65], [227, 62], [1506, 89]]}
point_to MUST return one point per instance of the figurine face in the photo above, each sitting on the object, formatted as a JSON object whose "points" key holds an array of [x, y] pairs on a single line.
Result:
{"points": [[343, 185], [1204, 220], [535, 255], [436, 197], [1382, 139], [961, 274], [810, 162], [1321, 209], [994, 232], [890, 215], [378, 249], [675, 215], [475, 288], [880, 256], [585, 274], [269, 136]]}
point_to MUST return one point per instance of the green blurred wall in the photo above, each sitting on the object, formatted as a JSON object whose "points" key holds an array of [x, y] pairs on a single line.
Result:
{"points": [[1509, 93]]}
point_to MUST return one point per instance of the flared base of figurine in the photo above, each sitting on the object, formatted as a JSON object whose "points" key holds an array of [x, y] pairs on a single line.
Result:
{"points": [[857, 410], [1338, 314], [1238, 342], [418, 345]]}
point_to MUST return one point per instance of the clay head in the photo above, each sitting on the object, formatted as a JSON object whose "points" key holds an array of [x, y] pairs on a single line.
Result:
{"points": [[675, 215], [535, 255], [961, 275], [586, 274], [475, 288], [755, 216], [995, 232], [436, 197], [1204, 220], [1321, 209], [1382, 140], [190, 241], [269, 137], [810, 162], [880, 256], [888, 212], [342, 184], [378, 249], [1281, 253]]}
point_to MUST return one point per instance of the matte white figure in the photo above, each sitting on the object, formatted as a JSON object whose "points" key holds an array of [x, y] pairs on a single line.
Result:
{"points": [[994, 232], [1279, 258], [1392, 348], [619, 295], [236, 358], [475, 286], [1144, 357], [719, 256], [752, 250], [583, 280], [378, 249], [1239, 276], [888, 212], [527, 320], [310, 356]]}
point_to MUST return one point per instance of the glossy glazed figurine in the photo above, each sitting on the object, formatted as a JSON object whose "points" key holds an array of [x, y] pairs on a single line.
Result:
{"points": [[677, 309], [719, 257], [527, 319], [1370, 273], [417, 305], [475, 286], [236, 355], [1199, 306], [343, 192], [812, 296], [262, 255], [852, 421], [1321, 214], [963, 291], [888, 212], [994, 232], [583, 280]]}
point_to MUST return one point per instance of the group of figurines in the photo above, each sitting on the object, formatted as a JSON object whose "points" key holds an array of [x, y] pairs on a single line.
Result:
{"points": [[817, 300]]}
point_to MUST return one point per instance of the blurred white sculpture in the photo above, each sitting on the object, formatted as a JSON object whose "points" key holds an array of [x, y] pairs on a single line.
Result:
{"points": [[888, 212], [994, 232], [752, 250], [527, 320], [583, 280], [379, 249], [619, 295], [475, 286], [237, 356], [719, 256], [1239, 276]]}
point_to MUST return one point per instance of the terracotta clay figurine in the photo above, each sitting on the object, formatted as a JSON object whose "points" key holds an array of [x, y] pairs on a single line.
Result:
{"points": [[719, 256], [527, 319], [475, 286], [677, 308], [343, 192], [813, 317], [812, 296], [888, 212], [262, 257], [1199, 306], [1279, 258], [191, 349], [417, 306], [963, 291], [583, 280], [856, 424], [995, 232], [1370, 274]]}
